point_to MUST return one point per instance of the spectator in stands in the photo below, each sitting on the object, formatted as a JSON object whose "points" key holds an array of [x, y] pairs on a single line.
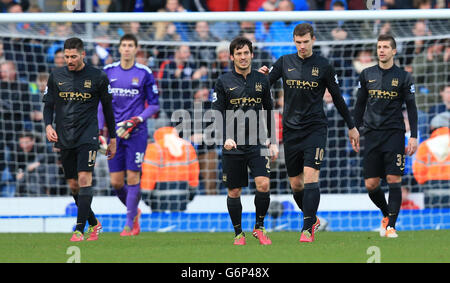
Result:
{"points": [[263, 28], [282, 31], [175, 80], [222, 64], [59, 30], [13, 7], [5, 3], [140, 30], [430, 69], [8, 72], [33, 167], [203, 54], [37, 90], [170, 171], [271, 5], [135, 5], [432, 165], [414, 48], [444, 106], [102, 53], [420, 4], [364, 59], [16, 103], [58, 58], [163, 28], [261, 57]]}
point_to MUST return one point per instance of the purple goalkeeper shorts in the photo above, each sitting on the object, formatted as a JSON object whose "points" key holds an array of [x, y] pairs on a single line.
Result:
{"points": [[130, 153]]}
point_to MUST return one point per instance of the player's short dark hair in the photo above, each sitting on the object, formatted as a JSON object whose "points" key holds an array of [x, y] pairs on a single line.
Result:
{"points": [[302, 29], [74, 43], [388, 37], [129, 36], [239, 42]]}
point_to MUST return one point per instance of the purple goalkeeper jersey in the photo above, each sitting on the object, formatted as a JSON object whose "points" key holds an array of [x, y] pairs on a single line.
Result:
{"points": [[130, 90]]}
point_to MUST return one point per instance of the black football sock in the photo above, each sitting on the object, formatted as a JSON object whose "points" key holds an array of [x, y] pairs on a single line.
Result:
{"points": [[235, 210], [378, 198], [92, 220], [262, 201], [311, 199], [298, 197], [395, 202], [84, 207]]}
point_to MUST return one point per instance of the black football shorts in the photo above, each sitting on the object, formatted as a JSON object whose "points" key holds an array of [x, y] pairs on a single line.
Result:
{"points": [[78, 159], [304, 148], [384, 153], [236, 167]]}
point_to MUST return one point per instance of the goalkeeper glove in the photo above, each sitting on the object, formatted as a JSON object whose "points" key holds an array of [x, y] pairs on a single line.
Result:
{"points": [[103, 144], [126, 127]]}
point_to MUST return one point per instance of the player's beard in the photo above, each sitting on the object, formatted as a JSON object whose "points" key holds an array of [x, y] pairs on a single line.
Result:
{"points": [[75, 66], [243, 68]]}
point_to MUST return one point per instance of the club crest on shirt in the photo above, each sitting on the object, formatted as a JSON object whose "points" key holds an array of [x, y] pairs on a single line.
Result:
{"points": [[258, 87], [315, 71], [394, 82], [87, 83], [135, 81]]}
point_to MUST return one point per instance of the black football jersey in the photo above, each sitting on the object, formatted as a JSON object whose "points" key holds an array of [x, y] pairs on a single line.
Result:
{"points": [[232, 93], [75, 96], [380, 97], [304, 84]]}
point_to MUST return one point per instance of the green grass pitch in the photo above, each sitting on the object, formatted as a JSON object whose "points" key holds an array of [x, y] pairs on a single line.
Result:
{"points": [[177, 247]]}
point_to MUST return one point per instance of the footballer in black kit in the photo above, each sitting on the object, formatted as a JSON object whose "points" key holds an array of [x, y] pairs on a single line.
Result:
{"points": [[74, 92], [247, 92], [382, 91], [306, 75]]}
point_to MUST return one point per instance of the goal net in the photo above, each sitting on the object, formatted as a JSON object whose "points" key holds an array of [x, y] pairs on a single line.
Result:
{"points": [[186, 53]]}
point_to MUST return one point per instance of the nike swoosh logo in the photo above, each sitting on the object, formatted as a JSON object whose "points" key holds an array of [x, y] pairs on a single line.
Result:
{"points": [[233, 88], [317, 162], [289, 70], [90, 165], [372, 81], [113, 80], [61, 83]]}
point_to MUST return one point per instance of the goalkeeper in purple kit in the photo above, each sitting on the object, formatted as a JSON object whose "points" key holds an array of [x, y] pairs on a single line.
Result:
{"points": [[132, 87]]}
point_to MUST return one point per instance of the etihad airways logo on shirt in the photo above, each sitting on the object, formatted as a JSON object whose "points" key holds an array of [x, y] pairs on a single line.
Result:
{"points": [[117, 91], [383, 94], [242, 101], [73, 95], [301, 84]]}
